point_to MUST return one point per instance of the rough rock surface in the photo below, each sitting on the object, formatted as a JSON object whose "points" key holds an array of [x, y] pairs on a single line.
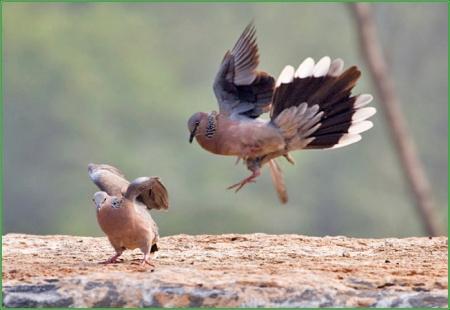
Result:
{"points": [[227, 271]]}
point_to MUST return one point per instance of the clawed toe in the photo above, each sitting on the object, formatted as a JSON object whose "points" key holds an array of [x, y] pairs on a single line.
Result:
{"points": [[145, 261], [111, 260], [250, 179], [240, 185]]}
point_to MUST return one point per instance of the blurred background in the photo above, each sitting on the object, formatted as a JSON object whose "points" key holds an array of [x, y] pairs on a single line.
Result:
{"points": [[115, 83]]}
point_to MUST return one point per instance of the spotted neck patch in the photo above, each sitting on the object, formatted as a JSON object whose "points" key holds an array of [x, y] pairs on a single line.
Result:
{"points": [[116, 203], [212, 124]]}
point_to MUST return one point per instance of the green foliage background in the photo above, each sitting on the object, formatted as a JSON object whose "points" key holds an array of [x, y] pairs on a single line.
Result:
{"points": [[115, 83]]}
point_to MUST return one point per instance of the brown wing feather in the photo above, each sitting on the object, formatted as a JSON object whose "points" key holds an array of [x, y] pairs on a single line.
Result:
{"points": [[238, 86], [245, 57], [108, 179], [150, 191]]}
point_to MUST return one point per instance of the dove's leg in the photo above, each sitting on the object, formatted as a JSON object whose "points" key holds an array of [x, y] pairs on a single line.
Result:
{"points": [[147, 256], [113, 259], [255, 167], [147, 260]]}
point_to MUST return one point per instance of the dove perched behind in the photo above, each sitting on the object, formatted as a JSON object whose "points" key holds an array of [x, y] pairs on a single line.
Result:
{"points": [[122, 209], [310, 107]]}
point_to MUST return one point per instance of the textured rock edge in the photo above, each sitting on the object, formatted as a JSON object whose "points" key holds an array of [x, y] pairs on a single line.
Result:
{"points": [[84, 292]]}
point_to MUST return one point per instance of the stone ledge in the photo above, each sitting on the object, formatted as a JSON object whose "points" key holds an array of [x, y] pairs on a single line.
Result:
{"points": [[227, 271]]}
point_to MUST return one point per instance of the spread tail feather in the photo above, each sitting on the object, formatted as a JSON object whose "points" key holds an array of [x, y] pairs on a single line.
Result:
{"points": [[314, 108], [278, 181]]}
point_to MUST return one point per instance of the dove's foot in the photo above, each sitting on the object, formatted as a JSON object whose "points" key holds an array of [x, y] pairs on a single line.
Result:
{"points": [[112, 259], [250, 179], [146, 260]]}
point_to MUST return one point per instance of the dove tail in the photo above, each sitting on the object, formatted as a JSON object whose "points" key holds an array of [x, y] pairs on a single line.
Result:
{"points": [[154, 248], [314, 108], [278, 181]]}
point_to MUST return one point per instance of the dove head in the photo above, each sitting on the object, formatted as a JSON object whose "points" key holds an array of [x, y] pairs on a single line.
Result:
{"points": [[102, 199], [195, 122], [99, 199]]}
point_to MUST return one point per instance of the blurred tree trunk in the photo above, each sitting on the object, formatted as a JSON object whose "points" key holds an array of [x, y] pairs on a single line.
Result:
{"points": [[406, 150]]}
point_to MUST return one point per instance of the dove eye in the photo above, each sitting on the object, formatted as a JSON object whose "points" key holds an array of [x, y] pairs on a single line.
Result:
{"points": [[104, 199]]}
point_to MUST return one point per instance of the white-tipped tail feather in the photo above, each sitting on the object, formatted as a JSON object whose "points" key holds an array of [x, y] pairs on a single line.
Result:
{"points": [[360, 127], [363, 100], [286, 76], [322, 67], [336, 67], [314, 108], [363, 114], [347, 139], [305, 69]]}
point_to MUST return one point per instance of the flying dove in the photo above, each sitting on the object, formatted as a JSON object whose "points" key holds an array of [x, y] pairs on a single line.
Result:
{"points": [[310, 107], [122, 209]]}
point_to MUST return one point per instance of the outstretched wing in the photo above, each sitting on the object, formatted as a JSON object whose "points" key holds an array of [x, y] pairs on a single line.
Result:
{"points": [[108, 178], [239, 88], [150, 191]]}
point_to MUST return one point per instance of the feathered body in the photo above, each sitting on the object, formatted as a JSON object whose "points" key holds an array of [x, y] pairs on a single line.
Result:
{"points": [[240, 136], [122, 209], [128, 227], [310, 107]]}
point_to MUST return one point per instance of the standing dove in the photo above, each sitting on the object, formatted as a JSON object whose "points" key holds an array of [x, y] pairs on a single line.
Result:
{"points": [[310, 107], [122, 209]]}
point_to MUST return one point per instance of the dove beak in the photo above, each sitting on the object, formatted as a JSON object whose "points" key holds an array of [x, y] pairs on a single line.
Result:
{"points": [[97, 205], [191, 137]]}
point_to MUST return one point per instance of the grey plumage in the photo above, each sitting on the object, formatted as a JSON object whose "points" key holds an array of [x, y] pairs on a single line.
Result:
{"points": [[238, 87]]}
